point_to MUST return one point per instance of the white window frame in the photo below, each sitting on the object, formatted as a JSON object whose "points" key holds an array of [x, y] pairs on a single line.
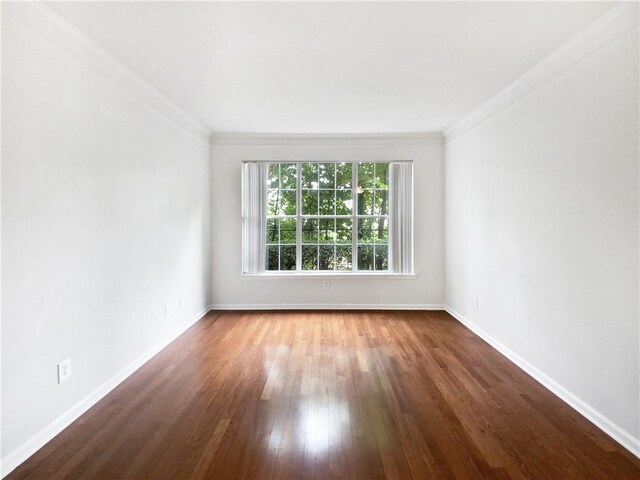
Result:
{"points": [[399, 220]]}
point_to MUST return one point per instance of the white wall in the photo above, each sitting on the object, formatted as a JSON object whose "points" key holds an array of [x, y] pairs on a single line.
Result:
{"points": [[231, 290], [106, 217], [542, 225]]}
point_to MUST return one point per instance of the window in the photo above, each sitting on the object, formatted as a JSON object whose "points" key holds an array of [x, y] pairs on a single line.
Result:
{"points": [[327, 217]]}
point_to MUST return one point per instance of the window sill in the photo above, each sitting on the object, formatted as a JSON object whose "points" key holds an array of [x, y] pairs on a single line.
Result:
{"points": [[329, 276]]}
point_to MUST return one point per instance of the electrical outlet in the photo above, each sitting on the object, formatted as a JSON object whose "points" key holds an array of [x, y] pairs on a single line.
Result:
{"points": [[325, 284], [477, 302], [179, 302], [64, 370], [166, 310]]}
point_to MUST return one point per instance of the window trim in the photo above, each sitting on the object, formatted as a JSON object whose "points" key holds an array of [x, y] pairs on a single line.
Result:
{"points": [[408, 215]]}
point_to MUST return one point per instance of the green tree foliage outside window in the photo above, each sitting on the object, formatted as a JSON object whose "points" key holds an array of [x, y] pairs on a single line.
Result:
{"points": [[336, 207]]}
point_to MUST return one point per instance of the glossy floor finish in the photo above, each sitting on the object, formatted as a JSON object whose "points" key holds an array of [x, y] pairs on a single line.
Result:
{"points": [[354, 395]]}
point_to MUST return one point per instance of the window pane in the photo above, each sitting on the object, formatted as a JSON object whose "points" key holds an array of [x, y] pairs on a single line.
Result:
{"points": [[343, 257], [281, 230], [381, 202], [288, 202], [281, 202], [343, 175], [272, 231], [327, 202], [327, 259], [344, 202], [310, 175], [272, 257], [273, 201], [309, 257], [343, 230], [288, 175], [287, 257], [381, 230], [365, 202], [310, 202], [288, 230], [327, 175], [273, 176], [381, 176], [365, 257], [365, 176], [310, 231], [365, 230], [373, 230], [381, 257], [327, 231]]}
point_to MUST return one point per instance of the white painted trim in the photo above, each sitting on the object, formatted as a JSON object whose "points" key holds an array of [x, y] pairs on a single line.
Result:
{"points": [[616, 22], [327, 306], [43, 20], [609, 427], [328, 140], [14, 458]]}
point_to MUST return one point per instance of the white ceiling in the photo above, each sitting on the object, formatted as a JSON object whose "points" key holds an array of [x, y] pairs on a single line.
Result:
{"points": [[329, 67]]}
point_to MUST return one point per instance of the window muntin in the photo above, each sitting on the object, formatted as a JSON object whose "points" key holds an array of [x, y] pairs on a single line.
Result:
{"points": [[327, 216]]}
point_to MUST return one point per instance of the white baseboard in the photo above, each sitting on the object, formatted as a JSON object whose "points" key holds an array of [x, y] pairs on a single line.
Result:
{"points": [[609, 427], [31, 446], [327, 306]]}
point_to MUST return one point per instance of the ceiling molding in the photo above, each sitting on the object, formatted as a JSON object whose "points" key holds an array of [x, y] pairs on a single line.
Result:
{"points": [[329, 140], [615, 23], [63, 34]]}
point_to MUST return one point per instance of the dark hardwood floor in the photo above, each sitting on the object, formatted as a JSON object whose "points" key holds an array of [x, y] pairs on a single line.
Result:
{"points": [[354, 395]]}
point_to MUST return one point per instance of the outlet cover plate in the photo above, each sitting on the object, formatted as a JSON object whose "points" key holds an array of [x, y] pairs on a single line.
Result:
{"points": [[64, 370]]}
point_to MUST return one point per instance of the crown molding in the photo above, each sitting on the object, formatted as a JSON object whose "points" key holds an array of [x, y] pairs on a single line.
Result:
{"points": [[43, 20], [606, 29], [329, 140]]}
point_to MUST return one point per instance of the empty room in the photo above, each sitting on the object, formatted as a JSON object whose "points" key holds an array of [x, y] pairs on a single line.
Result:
{"points": [[320, 240]]}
